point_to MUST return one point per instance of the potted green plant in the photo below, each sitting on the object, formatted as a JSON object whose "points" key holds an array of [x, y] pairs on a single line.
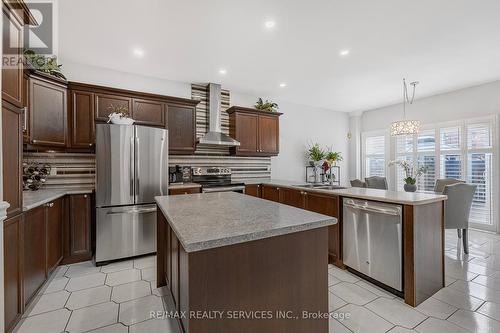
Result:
{"points": [[316, 157], [412, 172], [44, 64], [266, 106], [333, 157]]}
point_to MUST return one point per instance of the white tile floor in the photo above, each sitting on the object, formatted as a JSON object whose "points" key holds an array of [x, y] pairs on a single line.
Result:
{"points": [[117, 298]]}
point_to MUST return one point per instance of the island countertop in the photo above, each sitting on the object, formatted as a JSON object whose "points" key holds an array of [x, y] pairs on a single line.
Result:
{"points": [[209, 220]]}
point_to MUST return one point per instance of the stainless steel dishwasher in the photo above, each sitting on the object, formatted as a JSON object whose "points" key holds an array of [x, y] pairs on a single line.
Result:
{"points": [[372, 240]]}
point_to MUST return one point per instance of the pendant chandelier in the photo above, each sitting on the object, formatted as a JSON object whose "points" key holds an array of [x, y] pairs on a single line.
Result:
{"points": [[406, 127]]}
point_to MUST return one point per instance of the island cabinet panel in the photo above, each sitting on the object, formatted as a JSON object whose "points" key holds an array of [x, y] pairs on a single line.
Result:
{"points": [[328, 205], [174, 275], [12, 68], [82, 119], [256, 130], [270, 193], [48, 111], [12, 158], [148, 112], [105, 104], [292, 197], [423, 251], [54, 234], [34, 263], [220, 280], [13, 258], [253, 190], [181, 125], [77, 228]]}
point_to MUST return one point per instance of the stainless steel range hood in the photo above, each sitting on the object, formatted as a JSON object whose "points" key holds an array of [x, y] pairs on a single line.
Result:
{"points": [[214, 136]]}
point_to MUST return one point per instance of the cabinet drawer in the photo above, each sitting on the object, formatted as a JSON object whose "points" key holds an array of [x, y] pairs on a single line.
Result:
{"points": [[179, 191]]}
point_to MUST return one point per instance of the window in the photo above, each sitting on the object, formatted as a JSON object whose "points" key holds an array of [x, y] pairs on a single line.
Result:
{"points": [[480, 171], [462, 150], [374, 155], [419, 149]]}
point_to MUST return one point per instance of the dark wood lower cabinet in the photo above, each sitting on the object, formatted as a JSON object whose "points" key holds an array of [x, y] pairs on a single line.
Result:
{"points": [[270, 193], [34, 263], [77, 229], [13, 280], [328, 205], [188, 190], [292, 197], [253, 190], [54, 234]]}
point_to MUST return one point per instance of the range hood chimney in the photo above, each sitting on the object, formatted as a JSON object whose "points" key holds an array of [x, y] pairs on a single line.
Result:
{"points": [[214, 136]]}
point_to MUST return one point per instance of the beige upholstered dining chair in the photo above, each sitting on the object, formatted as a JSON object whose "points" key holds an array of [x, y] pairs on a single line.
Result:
{"points": [[457, 209], [376, 182], [441, 183], [358, 183]]}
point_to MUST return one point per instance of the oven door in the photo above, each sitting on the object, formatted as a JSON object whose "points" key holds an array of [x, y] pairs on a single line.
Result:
{"points": [[239, 189]]}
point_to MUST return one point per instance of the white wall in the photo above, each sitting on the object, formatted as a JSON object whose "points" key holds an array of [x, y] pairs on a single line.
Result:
{"points": [[460, 104], [299, 124], [111, 78]]}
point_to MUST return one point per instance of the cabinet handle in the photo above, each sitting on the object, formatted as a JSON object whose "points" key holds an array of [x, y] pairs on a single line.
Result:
{"points": [[50, 204], [25, 126], [90, 144], [34, 141], [277, 188], [84, 195]]}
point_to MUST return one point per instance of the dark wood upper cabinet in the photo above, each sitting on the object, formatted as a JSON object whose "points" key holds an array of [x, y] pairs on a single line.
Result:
{"points": [[77, 231], [48, 111], [148, 112], [12, 158], [12, 67], [181, 125], [82, 124], [12, 248], [54, 234], [269, 135], [34, 263], [257, 131], [105, 104]]}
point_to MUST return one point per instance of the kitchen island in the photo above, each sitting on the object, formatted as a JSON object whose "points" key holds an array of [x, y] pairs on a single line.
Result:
{"points": [[235, 263], [412, 239]]}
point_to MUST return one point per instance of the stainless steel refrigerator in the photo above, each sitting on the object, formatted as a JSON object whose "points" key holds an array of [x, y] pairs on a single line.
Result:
{"points": [[132, 168]]}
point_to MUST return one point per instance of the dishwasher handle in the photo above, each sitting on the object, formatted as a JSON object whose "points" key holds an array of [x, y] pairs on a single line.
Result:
{"points": [[373, 209]]}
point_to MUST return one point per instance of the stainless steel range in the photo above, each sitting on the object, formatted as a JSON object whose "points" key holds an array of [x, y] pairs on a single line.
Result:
{"points": [[216, 179]]}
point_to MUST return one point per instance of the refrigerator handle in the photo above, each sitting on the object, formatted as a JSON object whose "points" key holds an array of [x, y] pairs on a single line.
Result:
{"points": [[137, 164], [131, 166]]}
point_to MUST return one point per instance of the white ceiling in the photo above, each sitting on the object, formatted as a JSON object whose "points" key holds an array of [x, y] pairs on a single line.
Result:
{"points": [[444, 44]]}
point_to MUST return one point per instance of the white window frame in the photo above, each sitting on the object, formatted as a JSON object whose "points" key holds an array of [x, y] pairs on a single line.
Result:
{"points": [[387, 150]]}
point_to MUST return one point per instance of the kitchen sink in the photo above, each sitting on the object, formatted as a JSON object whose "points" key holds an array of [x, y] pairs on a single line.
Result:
{"points": [[322, 186]]}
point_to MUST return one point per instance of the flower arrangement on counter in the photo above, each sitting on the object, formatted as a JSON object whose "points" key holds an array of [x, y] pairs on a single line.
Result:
{"points": [[412, 173]]}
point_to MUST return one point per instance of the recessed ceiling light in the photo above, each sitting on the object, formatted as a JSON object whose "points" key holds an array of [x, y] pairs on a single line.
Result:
{"points": [[270, 24], [222, 71], [343, 53], [138, 52], [283, 85]]}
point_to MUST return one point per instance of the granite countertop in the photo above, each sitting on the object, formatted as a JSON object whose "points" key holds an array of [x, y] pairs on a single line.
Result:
{"points": [[33, 199], [400, 197], [210, 220], [183, 185]]}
